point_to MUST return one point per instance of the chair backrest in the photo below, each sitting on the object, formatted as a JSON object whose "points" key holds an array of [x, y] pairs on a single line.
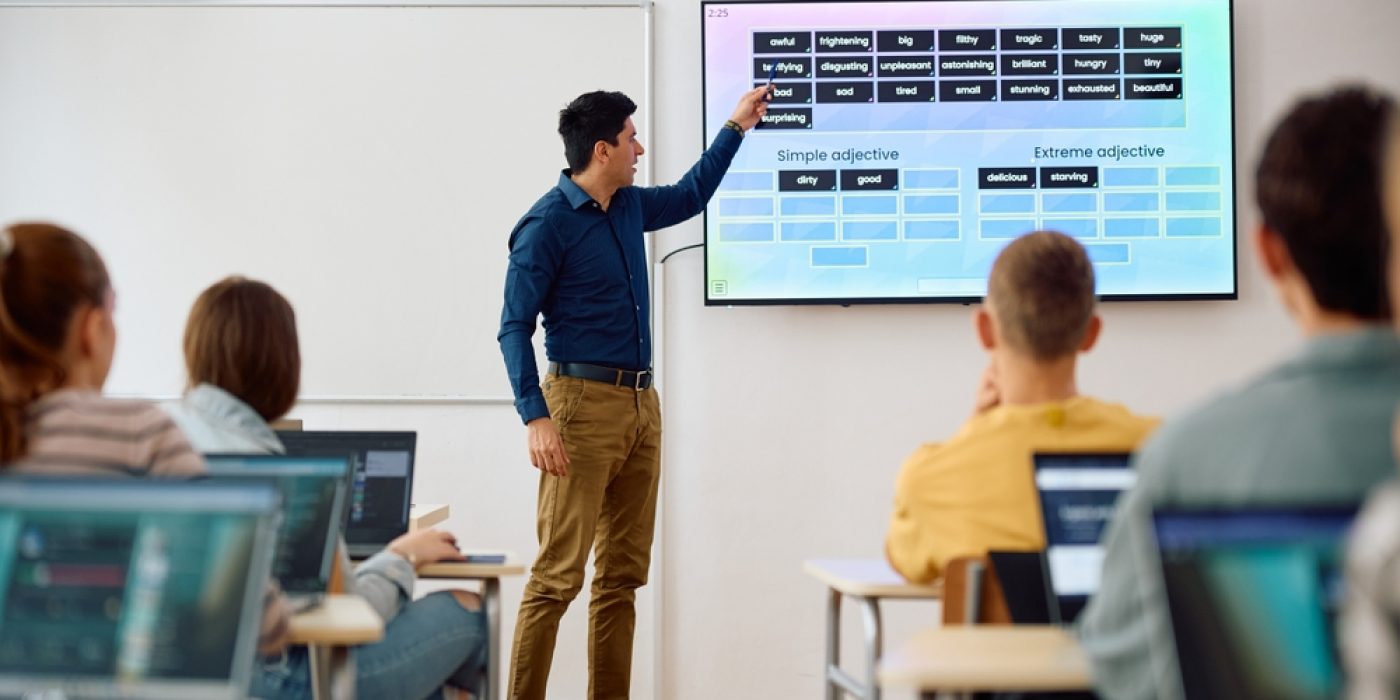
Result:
{"points": [[972, 594]]}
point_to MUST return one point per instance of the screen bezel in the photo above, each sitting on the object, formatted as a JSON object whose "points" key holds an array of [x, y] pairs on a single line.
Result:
{"points": [[705, 136]]}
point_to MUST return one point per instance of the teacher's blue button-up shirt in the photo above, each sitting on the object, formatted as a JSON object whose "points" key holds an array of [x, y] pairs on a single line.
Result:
{"points": [[585, 269]]}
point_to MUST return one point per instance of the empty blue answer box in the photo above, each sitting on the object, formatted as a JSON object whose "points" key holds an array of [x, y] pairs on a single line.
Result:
{"points": [[846, 256], [1193, 201], [1130, 177], [1131, 228], [1076, 228], [808, 206], [1109, 252], [1193, 226], [1008, 204], [746, 233], [1085, 203], [930, 204], [870, 231], [1006, 228], [746, 206], [809, 231], [930, 179], [1193, 177], [747, 182], [866, 205], [1131, 201], [942, 230]]}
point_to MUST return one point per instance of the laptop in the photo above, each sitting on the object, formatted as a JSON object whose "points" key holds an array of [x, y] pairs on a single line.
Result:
{"points": [[1022, 579], [1078, 493], [132, 588], [314, 497], [1253, 595], [381, 480]]}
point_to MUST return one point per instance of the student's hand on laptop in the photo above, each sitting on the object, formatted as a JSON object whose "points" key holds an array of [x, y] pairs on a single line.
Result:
{"points": [[988, 393], [547, 451], [424, 547]]}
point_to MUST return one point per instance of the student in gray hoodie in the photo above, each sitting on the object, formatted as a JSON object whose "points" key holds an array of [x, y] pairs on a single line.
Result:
{"points": [[244, 364]]}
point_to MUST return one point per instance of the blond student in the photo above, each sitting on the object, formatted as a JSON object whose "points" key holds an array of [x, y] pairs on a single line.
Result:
{"points": [[974, 491]]}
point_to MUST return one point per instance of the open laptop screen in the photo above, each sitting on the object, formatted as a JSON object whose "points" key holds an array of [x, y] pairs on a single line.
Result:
{"points": [[1253, 595], [313, 491], [1078, 493], [381, 480], [149, 589]]}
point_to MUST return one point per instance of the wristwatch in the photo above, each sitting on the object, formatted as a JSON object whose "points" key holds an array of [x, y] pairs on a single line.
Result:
{"points": [[731, 124]]}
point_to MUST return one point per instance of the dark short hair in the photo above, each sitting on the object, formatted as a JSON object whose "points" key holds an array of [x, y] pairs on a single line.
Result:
{"points": [[590, 118], [1318, 186], [1042, 291], [242, 337]]}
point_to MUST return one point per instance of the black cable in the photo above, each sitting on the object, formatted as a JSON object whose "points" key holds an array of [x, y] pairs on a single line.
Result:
{"points": [[681, 249]]}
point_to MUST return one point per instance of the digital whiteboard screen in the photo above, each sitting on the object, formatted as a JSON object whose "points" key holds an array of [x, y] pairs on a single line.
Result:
{"points": [[907, 142]]}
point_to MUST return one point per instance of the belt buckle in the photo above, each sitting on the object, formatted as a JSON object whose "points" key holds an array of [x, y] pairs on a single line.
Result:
{"points": [[637, 383]]}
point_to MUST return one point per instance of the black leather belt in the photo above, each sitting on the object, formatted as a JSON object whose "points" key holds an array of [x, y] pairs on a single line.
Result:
{"points": [[636, 380]]}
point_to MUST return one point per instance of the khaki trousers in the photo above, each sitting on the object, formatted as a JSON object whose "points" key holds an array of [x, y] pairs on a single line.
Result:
{"points": [[607, 503]]}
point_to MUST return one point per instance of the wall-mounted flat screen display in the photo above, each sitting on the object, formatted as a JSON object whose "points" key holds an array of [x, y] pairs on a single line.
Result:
{"points": [[907, 142]]}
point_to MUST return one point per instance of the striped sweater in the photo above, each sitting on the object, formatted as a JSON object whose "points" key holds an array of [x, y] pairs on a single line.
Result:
{"points": [[80, 433]]}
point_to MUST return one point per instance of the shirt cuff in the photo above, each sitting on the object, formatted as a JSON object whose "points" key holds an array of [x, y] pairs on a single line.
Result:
{"points": [[532, 407], [728, 136], [392, 567]]}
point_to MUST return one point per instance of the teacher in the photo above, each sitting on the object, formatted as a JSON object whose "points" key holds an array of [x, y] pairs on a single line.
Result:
{"points": [[594, 427]]}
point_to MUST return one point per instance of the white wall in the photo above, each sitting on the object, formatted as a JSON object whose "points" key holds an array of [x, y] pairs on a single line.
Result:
{"points": [[335, 152], [786, 425]]}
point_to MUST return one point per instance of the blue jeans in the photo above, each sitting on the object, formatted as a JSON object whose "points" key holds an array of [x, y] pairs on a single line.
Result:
{"points": [[433, 641]]}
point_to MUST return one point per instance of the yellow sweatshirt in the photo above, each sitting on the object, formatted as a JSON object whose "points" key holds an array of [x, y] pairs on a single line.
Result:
{"points": [[976, 492]]}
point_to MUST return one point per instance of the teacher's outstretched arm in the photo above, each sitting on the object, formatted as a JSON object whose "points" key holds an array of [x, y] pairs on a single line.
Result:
{"points": [[671, 204]]}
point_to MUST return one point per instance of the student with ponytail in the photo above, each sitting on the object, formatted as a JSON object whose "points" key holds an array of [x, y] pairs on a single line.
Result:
{"points": [[57, 338]]}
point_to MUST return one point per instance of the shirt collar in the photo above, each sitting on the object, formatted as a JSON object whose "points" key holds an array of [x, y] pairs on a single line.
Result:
{"points": [[221, 407], [578, 199], [1373, 346], [1053, 413]]}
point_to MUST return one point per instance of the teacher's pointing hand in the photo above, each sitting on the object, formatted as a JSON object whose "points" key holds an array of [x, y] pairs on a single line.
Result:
{"points": [[752, 106]]}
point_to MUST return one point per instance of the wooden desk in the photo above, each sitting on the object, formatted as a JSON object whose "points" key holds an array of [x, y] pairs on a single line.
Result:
{"points": [[421, 515], [341, 620], [490, 577], [988, 657], [866, 581]]}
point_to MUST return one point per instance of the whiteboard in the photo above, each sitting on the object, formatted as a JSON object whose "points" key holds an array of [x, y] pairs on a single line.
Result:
{"points": [[368, 161]]}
